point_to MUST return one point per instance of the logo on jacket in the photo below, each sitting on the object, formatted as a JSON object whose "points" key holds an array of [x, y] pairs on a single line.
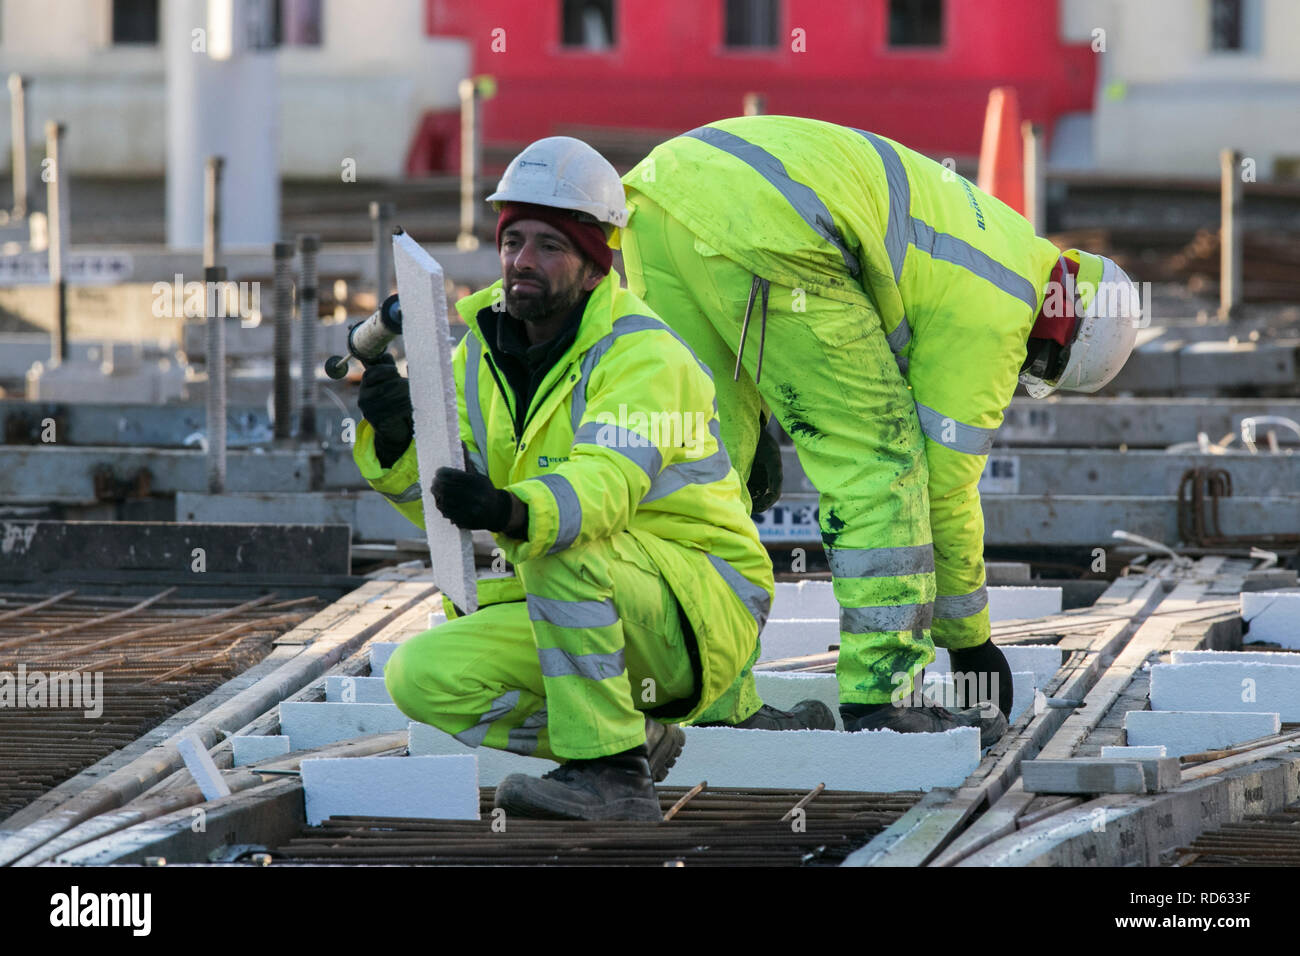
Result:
{"points": [[546, 461], [974, 204]]}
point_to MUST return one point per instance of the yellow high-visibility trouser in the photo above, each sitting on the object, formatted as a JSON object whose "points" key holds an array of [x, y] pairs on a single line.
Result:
{"points": [[831, 380], [562, 674]]}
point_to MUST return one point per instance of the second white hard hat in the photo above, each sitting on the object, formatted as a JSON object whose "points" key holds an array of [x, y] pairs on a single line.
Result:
{"points": [[1110, 312], [565, 173]]}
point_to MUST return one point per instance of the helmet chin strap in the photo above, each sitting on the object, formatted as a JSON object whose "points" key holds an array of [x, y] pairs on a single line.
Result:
{"points": [[1045, 359]]}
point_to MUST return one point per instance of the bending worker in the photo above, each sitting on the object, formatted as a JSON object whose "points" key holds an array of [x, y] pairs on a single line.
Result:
{"points": [[640, 583], [884, 309]]}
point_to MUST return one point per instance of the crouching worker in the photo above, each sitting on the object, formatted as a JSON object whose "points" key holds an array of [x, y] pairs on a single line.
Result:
{"points": [[640, 583]]}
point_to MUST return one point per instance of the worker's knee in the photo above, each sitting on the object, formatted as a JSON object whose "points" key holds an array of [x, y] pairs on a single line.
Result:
{"points": [[419, 689]]}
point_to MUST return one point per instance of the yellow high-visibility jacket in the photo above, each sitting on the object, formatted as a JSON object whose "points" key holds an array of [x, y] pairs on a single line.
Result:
{"points": [[622, 435], [956, 276]]}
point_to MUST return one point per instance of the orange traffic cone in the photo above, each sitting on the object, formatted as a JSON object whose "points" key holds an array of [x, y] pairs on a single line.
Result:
{"points": [[1002, 156]]}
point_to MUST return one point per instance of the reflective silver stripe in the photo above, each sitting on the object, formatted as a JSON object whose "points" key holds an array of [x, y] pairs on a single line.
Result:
{"points": [[701, 471], [903, 228], [623, 326], [473, 736], [967, 439], [961, 605], [894, 617], [634, 447], [941, 245], [898, 230], [571, 613], [474, 411], [560, 663], [800, 196], [566, 500], [412, 493], [756, 599], [523, 739], [899, 338], [880, 562]]}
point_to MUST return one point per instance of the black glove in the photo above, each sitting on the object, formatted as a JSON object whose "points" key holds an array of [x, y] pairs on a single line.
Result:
{"points": [[765, 474], [385, 401], [471, 501]]}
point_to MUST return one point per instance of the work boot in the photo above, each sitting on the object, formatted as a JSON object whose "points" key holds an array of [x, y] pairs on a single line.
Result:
{"points": [[928, 719], [664, 744], [806, 715], [617, 787]]}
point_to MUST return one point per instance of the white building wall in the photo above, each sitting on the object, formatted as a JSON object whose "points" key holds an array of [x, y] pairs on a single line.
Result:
{"points": [[358, 95], [1167, 103]]}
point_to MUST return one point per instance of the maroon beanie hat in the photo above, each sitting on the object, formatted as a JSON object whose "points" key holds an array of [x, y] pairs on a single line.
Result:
{"points": [[589, 237]]}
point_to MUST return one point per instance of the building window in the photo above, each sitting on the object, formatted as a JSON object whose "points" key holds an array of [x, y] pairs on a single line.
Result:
{"points": [[750, 23], [587, 24], [1226, 21], [915, 22], [298, 23], [135, 21]]}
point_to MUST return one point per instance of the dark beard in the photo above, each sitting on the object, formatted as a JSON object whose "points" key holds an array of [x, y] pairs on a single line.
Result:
{"points": [[540, 307]]}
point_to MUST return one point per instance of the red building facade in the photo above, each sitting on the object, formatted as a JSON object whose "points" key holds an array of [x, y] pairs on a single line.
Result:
{"points": [[916, 70]]}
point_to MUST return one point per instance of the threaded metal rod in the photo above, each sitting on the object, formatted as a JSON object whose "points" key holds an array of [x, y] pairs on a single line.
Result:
{"points": [[18, 119], [282, 351], [381, 214], [57, 217], [212, 211], [213, 276], [308, 247]]}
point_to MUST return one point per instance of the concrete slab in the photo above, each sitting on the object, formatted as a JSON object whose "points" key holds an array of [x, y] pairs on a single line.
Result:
{"points": [[879, 760], [493, 765], [1135, 753], [1083, 776], [314, 723], [1272, 616], [1190, 732], [250, 749], [1246, 687], [356, 690], [1236, 657], [369, 515], [426, 788]]}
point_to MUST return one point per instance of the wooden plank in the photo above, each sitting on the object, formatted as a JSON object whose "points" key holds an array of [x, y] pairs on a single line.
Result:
{"points": [[1079, 674], [1127, 600], [1082, 776], [1151, 633], [1151, 637]]}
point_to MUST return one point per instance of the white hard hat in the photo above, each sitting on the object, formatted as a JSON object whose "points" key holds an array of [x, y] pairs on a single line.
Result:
{"points": [[1109, 307], [565, 173]]}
